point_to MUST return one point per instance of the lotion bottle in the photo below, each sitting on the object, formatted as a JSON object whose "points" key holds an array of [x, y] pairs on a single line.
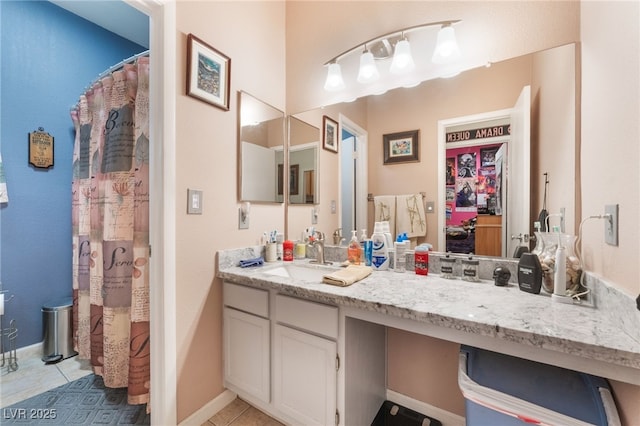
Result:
{"points": [[380, 249]]}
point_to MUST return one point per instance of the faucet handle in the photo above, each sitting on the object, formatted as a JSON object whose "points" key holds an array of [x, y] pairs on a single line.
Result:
{"points": [[319, 236]]}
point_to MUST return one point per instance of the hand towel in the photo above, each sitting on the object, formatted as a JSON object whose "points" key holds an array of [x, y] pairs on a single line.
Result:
{"points": [[251, 262], [384, 207], [347, 276], [410, 216]]}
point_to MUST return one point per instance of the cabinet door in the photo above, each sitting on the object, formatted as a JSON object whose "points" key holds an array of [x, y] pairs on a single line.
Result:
{"points": [[305, 376], [246, 353]]}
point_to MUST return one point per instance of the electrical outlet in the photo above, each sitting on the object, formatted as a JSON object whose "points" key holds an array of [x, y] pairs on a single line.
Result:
{"points": [[314, 216], [611, 224], [333, 206], [431, 206]]}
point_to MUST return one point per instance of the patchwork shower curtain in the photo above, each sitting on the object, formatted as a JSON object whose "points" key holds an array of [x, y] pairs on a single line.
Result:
{"points": [[110, 227]]}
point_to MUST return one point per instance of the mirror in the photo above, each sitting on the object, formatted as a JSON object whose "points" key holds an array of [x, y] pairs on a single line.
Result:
{"points": [[303, 162], [552, 77], [260, 150]]}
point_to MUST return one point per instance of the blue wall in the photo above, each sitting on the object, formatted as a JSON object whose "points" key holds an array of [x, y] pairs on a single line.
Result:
{"points": [[48, 57]]}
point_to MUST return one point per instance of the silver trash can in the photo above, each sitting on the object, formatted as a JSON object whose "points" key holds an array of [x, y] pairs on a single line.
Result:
{"points": [[57, 323]]}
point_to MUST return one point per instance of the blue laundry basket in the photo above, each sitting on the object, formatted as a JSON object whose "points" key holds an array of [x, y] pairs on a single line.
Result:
{"points": [[502, 390]]}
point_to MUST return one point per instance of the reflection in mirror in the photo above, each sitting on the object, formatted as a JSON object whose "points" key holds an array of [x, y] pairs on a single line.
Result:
{"points": [[260, 150], [552, 77], [303, 162]]}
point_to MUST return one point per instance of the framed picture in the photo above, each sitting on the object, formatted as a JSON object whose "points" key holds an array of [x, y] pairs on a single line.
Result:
{"points": [[208, 73], [294, 171], [329, 134], [401, 147]]}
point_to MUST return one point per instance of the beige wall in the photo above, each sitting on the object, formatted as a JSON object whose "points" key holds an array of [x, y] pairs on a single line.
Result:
{"points": [[610, 152], [252, 35]]}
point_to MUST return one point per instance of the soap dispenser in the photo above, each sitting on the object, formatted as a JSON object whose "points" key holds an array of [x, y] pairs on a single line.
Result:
{"points": [[354, 251]]}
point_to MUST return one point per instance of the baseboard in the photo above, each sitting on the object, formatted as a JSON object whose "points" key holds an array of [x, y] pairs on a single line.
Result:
{"points": [[447, 418], [31, 351], [209, 409]]}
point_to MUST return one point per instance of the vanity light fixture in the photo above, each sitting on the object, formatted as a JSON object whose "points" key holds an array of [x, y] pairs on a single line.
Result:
{"points": [[334, 80], [395, 43], [446, 46], [402, 60], [368, 72]]}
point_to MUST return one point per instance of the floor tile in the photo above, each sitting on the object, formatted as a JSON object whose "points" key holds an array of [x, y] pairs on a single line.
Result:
{"points": [[229, 413], [255, 417]]}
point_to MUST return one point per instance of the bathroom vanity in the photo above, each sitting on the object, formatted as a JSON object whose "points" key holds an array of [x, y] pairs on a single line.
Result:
{"points": [[312, 353]]}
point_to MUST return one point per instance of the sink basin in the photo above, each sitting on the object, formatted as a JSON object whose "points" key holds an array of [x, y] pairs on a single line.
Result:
{"points": [[312, 273]]}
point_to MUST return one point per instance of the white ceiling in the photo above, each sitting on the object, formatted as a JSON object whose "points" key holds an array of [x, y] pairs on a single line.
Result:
{"points": [[115, 16]]}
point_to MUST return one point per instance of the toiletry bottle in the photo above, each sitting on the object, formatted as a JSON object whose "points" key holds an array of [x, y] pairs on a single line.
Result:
{"points": [[421, 259], [361, 240], [380, 250], [400, 258], [367, 249], [287, 251], [279, 245], [354, 250], [529, 273]]}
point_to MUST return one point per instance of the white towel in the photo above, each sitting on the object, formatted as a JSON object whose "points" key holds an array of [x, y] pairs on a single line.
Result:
{"points": [[385, 209], [410, 216]]}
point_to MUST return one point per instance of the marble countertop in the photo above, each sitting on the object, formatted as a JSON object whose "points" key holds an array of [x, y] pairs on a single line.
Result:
{"points": [[479, 308]]}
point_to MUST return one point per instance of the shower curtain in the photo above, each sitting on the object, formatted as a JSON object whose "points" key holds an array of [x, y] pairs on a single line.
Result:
{"points": [[110, 229]]}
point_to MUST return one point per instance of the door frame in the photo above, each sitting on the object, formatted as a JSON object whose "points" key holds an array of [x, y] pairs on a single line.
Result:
{"points": [[361, 143], [490, 116], [162, 206]]}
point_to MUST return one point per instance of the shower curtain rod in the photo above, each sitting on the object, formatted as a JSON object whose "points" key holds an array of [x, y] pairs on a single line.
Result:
{"points": [[113, 68], [120, 64]]}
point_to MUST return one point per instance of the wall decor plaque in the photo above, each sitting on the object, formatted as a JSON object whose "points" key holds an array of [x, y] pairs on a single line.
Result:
{"points": [[40, 149]]}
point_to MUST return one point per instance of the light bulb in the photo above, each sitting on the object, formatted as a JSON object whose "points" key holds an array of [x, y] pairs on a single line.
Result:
{"points": [[402, 60], [334, 80], [368, 72], [446, 46]]}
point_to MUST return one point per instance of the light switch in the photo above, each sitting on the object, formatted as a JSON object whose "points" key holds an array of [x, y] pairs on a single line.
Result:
{"points": [[194, 201]]}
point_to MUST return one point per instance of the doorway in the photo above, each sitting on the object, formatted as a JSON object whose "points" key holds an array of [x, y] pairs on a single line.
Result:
{"points": [[353, 176], [513, 174]]}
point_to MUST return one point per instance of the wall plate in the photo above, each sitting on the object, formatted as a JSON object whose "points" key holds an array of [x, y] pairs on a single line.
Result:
{"points": [[611, 225], [194, 201]]}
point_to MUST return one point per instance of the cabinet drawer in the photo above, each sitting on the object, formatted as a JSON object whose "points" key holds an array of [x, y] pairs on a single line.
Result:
{"points": [[310, 316], [246, 299]]}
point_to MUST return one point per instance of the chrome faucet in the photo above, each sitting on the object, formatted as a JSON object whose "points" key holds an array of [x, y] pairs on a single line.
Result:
{"points": [[337, 237], [317, 242]]}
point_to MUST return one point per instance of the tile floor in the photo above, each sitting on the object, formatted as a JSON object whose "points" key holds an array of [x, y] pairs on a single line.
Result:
{"points": [[34, 377], [240, 413]]}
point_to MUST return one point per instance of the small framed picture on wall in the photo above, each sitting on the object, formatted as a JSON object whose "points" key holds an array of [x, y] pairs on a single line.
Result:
{"points": [[329, 134], [400, 147]]}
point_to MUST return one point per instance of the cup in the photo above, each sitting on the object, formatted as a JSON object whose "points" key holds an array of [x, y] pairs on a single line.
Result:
{"points": [[270, 252]]}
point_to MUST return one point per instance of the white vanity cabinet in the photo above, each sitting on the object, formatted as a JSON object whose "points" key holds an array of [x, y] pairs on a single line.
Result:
{"points": [[247, 336], [281, 353], [305, 360]]}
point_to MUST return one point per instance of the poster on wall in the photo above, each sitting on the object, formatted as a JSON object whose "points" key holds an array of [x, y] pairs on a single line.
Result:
{"points": [[467, 165], [488, 156], [450, 194], [451, 171], [486, 190], [466, 195]]}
